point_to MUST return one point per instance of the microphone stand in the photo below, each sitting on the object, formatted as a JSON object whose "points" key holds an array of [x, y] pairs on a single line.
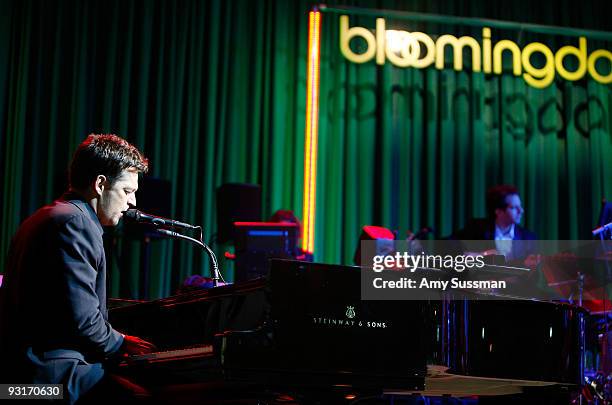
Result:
{"points": [[604, 251], [211, 254]]}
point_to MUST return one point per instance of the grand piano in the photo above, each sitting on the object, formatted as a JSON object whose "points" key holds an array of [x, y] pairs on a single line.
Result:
{"points": [[304, 335]]}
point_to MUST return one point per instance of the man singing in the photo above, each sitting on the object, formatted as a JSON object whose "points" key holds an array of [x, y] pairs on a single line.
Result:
{"points": [[53, 316]]}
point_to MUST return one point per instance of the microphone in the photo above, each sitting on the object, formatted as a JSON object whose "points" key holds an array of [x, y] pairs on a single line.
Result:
{"points": [[134, 215], [601, 229]]}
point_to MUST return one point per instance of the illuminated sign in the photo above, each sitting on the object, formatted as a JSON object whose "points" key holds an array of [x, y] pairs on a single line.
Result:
{"points": [[403, 49]]}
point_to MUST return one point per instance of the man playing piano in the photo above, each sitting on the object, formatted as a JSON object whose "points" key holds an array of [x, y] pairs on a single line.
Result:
{"points": [[53, 316]]}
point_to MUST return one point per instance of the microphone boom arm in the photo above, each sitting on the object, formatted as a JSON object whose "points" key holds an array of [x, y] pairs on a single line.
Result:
{"points": [[211, 254]]}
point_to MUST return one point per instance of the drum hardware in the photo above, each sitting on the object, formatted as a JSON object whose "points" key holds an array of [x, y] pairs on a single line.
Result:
{"points": [[597, 390]]}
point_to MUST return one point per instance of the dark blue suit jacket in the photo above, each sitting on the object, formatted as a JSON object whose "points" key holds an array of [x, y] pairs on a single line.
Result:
{"points": [[478, 231], [53, 316]]}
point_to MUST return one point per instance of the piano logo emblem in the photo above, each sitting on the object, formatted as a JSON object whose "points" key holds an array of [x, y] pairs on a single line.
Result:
{"points": [[350, 321]]}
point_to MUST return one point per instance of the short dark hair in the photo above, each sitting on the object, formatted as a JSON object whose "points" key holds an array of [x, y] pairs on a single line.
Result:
{"points": [[286, 216], [107, 155], [496, 197]]}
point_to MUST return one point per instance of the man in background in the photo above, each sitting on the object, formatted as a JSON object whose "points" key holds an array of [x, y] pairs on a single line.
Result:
{"points": [[504, 214], [53, 315]]}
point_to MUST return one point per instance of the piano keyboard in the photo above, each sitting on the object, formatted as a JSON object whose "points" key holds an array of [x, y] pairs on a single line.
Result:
{"points": [[169, 355]]}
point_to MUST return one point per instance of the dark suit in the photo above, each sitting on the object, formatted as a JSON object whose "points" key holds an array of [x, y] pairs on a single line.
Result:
{"points": [[53, 317], [484, 230]]}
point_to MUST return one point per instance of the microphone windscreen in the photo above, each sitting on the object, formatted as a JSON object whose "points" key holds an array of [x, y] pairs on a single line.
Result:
{"points": [[131, 214]]}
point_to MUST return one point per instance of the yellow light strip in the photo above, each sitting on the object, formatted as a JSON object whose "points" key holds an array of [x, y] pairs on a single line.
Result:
{"points": [[312, 127]]}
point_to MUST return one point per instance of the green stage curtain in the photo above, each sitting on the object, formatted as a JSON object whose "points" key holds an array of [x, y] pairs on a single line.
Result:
{"points": [[419, 147], [214, 92]]}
